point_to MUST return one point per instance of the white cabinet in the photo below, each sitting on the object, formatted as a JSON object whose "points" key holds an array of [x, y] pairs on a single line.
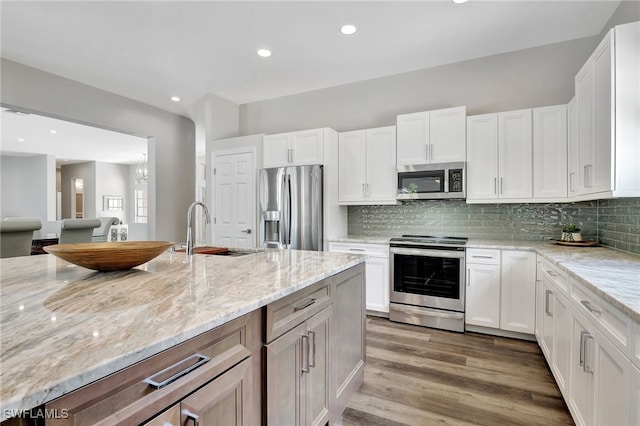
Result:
{"points": [[436, 136], [483, 288], [377, 275], [573, 152], [499, 156], [607, 107], [550, 152], [634, 397], [294, 148], [500, 292], [600, 379], [517, 291], [367, 166]]}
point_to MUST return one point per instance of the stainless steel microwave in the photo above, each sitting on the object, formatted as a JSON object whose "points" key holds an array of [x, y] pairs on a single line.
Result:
{"points": [[432, 181]]}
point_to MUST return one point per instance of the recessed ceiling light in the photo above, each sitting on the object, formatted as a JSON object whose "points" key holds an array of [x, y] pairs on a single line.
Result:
{"points": [[175, 99], [20, 139], [53, 131], [460, 1], [264, 53], [348, 29]]}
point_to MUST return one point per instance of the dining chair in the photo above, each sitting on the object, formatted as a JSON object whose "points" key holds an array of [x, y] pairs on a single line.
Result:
{"points": [[100, 233], [77, 230], [16, 235]]}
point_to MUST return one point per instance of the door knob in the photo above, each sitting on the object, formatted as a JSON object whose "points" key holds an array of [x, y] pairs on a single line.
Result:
{"points": [[246, 231]]}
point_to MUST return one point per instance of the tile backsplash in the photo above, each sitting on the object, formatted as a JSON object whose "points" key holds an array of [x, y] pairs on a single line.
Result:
{"points": [[615, 223]]}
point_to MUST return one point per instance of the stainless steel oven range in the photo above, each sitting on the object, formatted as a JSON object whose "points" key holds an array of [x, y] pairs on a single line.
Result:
{"points": [[428, 281]]}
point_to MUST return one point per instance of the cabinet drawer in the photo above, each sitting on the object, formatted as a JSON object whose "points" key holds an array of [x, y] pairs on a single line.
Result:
{"points": [[554, 275], [286, 313], [636, 346], [616, 326], [379, 250], [483, 256], [124, 397]]}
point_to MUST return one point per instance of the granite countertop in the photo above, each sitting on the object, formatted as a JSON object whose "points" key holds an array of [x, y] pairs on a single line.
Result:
{"points": [[63, 326]]}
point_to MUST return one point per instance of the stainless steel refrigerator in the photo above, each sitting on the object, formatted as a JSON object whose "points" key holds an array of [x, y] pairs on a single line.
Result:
{"points": [[291, 207]]}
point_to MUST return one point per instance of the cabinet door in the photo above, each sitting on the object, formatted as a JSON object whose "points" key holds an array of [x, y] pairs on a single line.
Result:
{"points": [[573, 149], [381, 164], [276, 150], [413, 138], [545, 299], [634, 397], [517, 293], [599, 174], [222, 401], [550, 152], [317, 379], [483, 295], [447, 135], [284, 378], [515, 168], [582, 386], [585, 125], [378, 284], [482, 157], [612, 370], [307, 147], [352, 150], [561, 357]]}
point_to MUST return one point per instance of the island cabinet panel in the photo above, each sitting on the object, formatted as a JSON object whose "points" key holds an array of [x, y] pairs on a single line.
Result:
{"points": [[234, 371], [348, 338]]}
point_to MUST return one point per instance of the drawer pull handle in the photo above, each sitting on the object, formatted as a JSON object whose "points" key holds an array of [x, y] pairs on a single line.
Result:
{"points": [[481, 257], [551, 273], [191, 416], [304, 305], [356, 249], [190, 366], [590, 307]]}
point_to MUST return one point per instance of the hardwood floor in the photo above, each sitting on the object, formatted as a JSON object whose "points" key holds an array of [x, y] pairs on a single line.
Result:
{"points": [[423, 376]]}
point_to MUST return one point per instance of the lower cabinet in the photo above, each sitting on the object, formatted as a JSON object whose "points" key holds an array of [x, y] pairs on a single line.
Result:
{"points": [[634, 409], [501, 289], [219, 402], [377, 290], [297, 374]]}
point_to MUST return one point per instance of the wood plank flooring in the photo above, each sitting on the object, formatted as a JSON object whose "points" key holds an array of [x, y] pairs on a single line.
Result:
{"points": [[423, 376]]}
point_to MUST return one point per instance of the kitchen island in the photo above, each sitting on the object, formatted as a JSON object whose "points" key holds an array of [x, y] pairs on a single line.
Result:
{"points": [[63, 326]]}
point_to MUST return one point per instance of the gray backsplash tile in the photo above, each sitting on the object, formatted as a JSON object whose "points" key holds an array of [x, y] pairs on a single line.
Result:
{"points": [[615, 223]]}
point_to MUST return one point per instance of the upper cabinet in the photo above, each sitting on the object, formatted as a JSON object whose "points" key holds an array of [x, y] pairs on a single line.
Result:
{"points": [[499, 156], [367, 166], [294, 148], [436, 136], [608, 117], [550, 152]]}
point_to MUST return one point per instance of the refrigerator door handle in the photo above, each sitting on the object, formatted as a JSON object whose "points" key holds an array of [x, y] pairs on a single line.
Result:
{"points": [[286, 220]]}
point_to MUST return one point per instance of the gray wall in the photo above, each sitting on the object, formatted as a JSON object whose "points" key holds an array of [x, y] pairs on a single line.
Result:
{"points": [[523, 79], [171, 153], [28, 186], [113, 179], [87, 172]]}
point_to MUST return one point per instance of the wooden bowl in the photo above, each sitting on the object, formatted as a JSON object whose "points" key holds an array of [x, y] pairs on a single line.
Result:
{"points": [[109, 256]]}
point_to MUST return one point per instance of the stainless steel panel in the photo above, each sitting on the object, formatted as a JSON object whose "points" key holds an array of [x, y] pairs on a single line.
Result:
{"points": [[445, 320], [292, 198]]}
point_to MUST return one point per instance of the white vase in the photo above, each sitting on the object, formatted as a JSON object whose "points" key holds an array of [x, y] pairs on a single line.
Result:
{"points": [[572, 236]]}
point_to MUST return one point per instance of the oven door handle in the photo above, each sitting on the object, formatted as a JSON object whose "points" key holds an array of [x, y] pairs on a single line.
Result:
{"points": [[459, 254]]}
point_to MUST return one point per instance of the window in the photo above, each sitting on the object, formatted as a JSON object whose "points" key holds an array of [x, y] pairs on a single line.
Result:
{"points": [[142, 210]]}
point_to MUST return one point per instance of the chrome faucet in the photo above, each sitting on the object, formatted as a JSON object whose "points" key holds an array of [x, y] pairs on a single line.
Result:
{"points": [[189, 228]]}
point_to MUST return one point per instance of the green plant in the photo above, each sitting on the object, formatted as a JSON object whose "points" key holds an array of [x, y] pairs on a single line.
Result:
{"points": [[413, 188], [572, 227]]}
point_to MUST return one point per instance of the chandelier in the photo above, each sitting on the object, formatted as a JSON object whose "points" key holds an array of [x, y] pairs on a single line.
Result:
{"points": [[142, 170]]}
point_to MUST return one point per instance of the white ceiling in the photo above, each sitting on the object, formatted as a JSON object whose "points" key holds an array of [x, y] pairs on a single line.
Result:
{"points": [[70, 144], [152, 50]]}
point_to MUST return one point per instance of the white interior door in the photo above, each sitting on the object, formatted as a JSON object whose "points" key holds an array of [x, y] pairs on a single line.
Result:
{"points": [[235, 198]]}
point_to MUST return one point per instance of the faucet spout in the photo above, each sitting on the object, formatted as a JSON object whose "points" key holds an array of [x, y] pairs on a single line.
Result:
{"points": [[189, 221]]}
